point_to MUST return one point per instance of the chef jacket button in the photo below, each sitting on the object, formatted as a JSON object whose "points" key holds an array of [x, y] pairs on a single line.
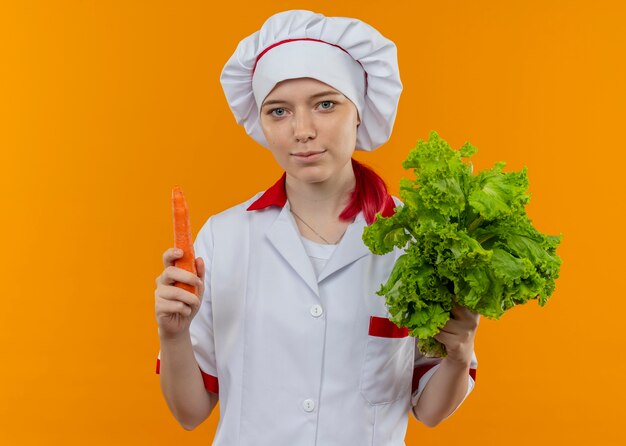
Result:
{"points": [[308, 405], [316, 310]]}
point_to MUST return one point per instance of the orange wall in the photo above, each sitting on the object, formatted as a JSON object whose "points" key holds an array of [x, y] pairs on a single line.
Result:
{"points": [[105, 105]]}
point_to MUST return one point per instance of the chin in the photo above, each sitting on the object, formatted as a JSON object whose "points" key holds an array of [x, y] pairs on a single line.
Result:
{"points": [[312, 174]]}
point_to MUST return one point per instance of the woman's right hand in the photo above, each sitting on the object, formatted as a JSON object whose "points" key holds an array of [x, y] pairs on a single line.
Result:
{"points": [[174, 306]]}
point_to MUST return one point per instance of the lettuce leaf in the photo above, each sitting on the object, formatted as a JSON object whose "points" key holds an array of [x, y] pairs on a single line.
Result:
{"points": [[466, 238]]}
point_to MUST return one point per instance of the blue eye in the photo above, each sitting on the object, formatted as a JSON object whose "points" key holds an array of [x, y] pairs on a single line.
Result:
{"points": [[327, 105], [276, 110]]}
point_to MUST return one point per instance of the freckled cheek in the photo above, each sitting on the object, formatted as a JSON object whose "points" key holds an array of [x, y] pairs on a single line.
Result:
{"points": [[278, 145], [348, 135], [271, 136]]}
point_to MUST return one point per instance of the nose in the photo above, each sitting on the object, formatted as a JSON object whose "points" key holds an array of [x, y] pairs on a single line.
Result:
{"points": [[303, 127]]}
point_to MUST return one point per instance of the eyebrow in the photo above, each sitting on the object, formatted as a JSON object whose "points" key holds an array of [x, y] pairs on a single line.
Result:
{"points": [[317, 95]]}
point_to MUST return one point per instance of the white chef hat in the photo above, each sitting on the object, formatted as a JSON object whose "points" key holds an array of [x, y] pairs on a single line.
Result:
{"points": [[347, 54]]}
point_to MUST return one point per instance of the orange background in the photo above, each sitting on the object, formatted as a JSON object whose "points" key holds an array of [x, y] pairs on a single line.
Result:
{"points": [[105, 105]]}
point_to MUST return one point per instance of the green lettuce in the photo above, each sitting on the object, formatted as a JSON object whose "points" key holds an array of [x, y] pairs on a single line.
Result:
{"points": [[466, 239]]}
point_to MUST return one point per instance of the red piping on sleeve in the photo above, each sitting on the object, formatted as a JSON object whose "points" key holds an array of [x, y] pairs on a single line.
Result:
{"points": [[210, 382], [420, 371]]}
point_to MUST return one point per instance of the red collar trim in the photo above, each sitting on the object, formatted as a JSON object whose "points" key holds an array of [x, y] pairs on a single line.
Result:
{"points": [[277, 196], [274, 196]]}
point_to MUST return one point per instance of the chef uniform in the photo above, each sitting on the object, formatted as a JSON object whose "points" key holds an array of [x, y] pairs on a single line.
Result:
{"points": [[291, 334]]}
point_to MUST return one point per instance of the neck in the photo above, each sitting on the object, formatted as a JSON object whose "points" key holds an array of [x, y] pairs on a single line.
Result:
{"points": [[326, 198]]}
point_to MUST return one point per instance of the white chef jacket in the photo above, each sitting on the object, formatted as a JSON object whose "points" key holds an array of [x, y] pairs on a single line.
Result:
{"points": [[300, 359]]}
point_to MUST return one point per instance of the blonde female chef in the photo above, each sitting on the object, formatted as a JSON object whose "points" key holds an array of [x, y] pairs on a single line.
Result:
{"points": [[289, 334]]}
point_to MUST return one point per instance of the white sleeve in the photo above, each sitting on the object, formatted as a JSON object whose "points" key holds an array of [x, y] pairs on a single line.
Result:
{"points": [[201, 327], [424, 368]]}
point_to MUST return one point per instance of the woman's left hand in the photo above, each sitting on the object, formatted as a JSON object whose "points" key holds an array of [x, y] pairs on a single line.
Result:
{"points": [[458, 334]]}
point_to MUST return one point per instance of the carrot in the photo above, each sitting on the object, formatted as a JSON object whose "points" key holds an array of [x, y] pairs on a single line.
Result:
{"points": [[182, 237]]}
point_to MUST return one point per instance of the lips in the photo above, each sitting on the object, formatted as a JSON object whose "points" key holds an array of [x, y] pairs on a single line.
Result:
{"points": [[308, 154]]}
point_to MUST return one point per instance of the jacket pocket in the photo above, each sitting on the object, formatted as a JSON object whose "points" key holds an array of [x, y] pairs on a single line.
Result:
{"points": [[387, 363]]}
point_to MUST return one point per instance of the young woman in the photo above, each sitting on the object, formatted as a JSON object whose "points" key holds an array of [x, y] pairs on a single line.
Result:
{"points": [[287, 330]]}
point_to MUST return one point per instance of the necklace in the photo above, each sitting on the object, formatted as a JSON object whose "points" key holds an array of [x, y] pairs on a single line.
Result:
{"points": [[316, 233]]}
